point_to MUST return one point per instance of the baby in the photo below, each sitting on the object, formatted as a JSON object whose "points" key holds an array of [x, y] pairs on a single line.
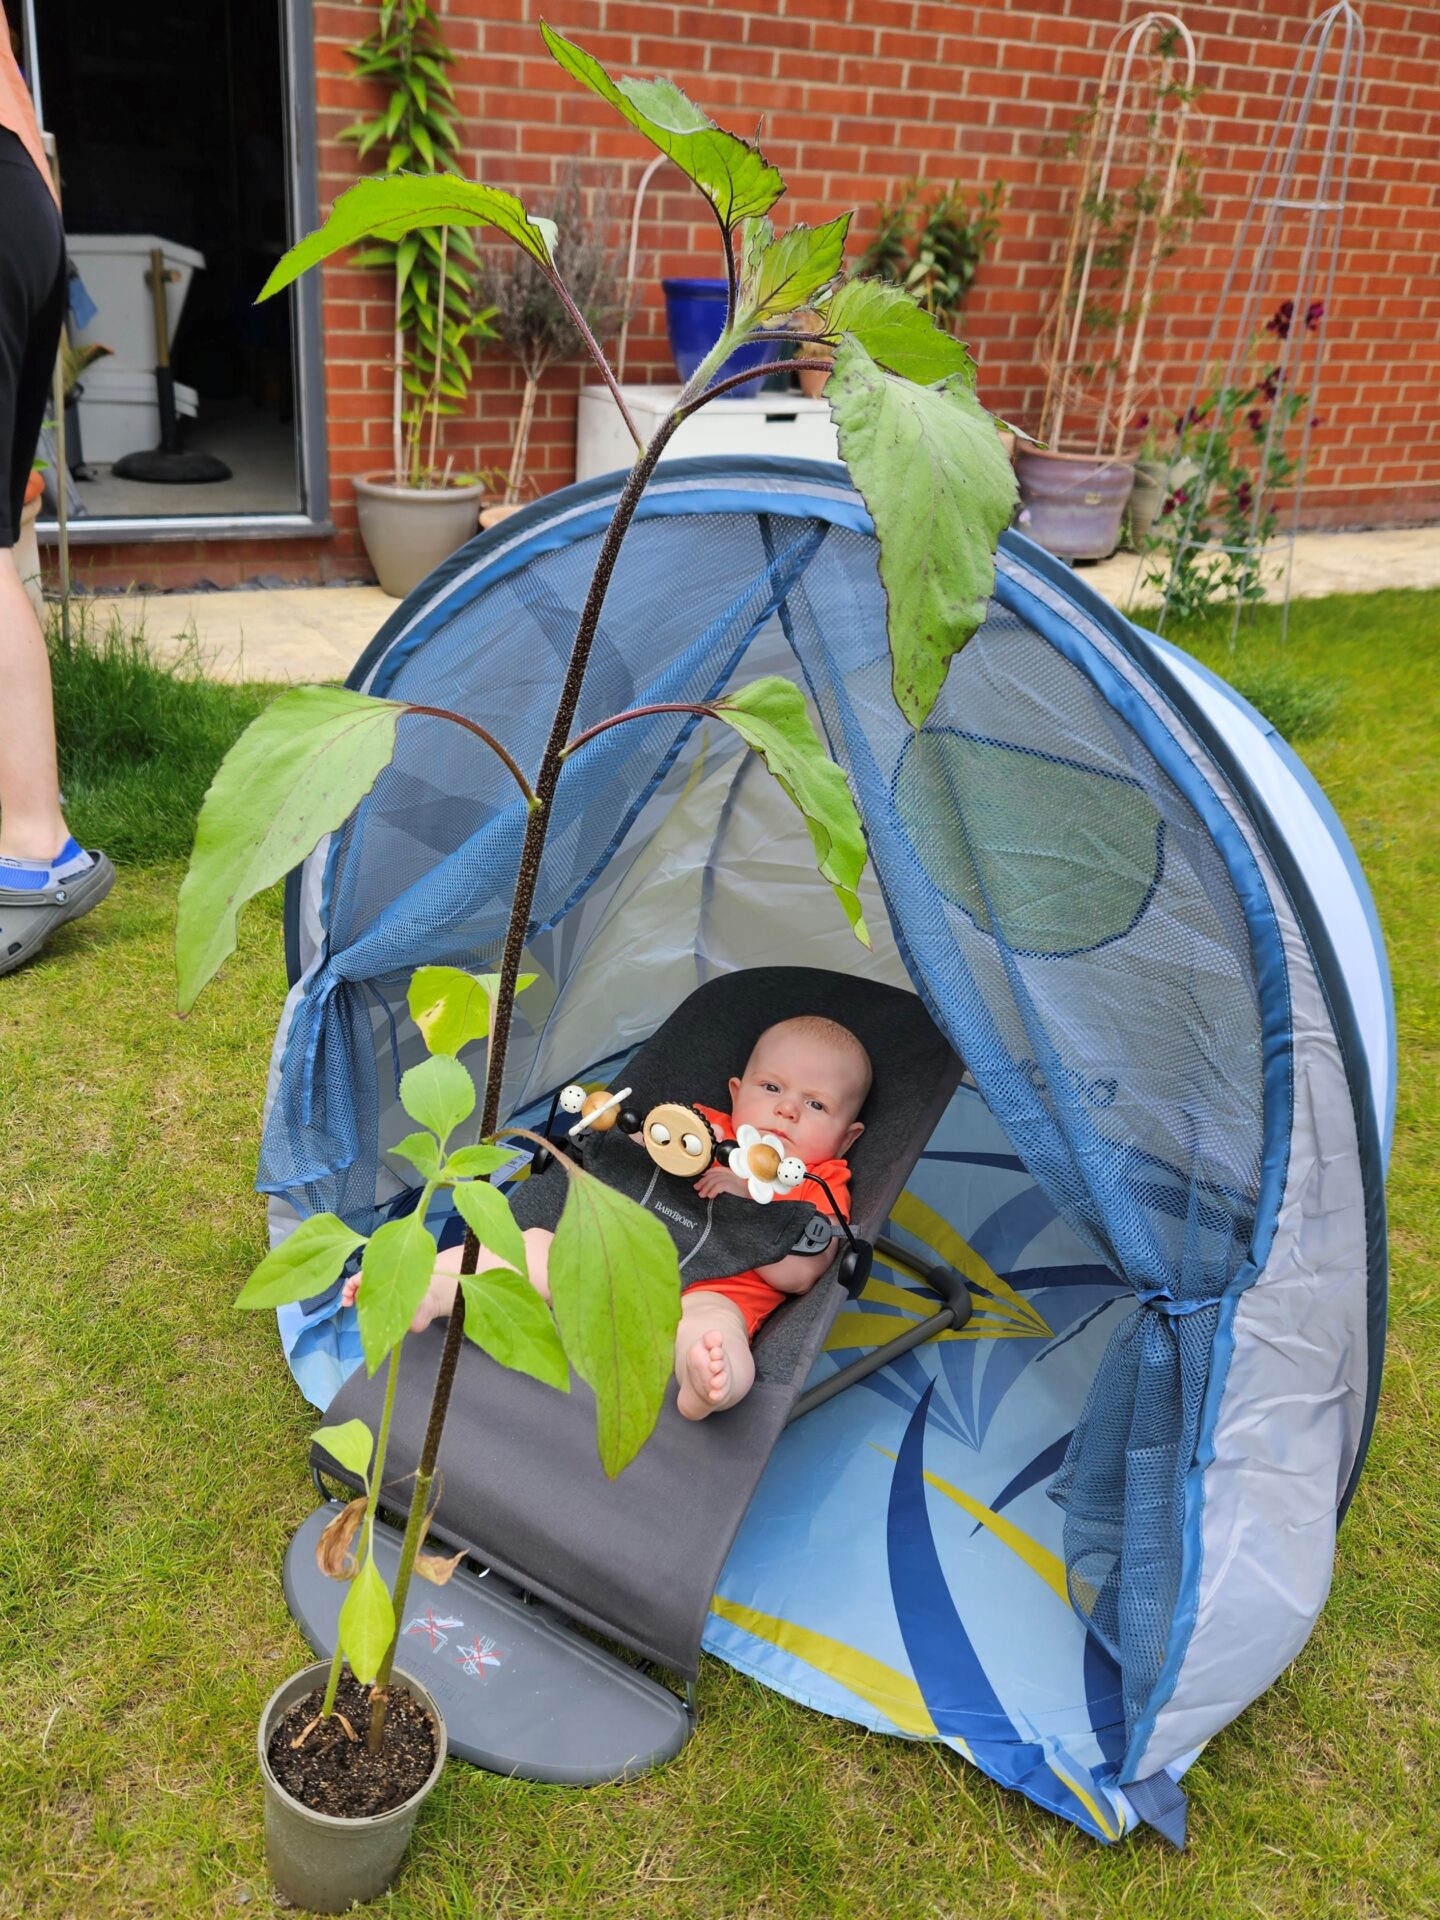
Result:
{"points": [[805, 1082]]}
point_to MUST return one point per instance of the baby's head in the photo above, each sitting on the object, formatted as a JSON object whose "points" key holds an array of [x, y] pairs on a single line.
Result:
{"points": [[806, 1080]]}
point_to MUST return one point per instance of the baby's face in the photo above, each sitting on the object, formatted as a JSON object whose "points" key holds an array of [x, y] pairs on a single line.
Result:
{"points": [[803, 1090]]}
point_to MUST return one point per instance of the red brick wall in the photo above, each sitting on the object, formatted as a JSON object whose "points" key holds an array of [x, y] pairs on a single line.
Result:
{"points": [[855, 97]]}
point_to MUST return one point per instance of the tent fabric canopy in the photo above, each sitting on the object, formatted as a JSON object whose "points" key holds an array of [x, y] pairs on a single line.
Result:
{"points": [[1105, 880]]}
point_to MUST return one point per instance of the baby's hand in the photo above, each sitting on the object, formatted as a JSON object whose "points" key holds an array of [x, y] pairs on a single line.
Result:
{"points": [[717, 1179], [439, 1298]]}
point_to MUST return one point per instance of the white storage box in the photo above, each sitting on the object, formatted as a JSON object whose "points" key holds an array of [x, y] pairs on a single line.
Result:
{"points": [[120, 414], [770, 423], [113, 267]]}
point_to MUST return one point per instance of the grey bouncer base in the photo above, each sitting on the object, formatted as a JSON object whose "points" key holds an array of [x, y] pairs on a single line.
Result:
{"points": [[524, 1693]]}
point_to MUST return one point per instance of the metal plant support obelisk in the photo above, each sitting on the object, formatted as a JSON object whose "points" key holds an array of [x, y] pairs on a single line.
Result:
{"points": [[1302, 184], [1105, 175]]}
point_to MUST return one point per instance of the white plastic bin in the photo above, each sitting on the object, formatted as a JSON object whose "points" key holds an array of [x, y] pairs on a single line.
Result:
{"points": [[120, 414], [770, 423], [113, 267]]}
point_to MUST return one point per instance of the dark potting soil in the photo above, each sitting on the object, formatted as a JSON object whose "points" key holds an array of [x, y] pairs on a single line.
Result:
{"points": [[331, 1773]]}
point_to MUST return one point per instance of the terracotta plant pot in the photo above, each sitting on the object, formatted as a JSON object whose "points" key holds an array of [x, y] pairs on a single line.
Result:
{"points": [[408, 531], [492, 516], [316, 1860], [1072, 502], [812, 380]]}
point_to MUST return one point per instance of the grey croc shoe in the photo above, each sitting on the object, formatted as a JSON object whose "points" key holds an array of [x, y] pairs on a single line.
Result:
{"points": [[28, 919]]}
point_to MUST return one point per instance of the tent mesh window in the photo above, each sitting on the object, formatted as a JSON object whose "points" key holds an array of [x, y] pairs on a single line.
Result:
{"points": [[1080, 941]]}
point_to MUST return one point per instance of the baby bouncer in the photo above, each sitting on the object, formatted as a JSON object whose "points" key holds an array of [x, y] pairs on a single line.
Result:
{"points": [[1091, 1380]]}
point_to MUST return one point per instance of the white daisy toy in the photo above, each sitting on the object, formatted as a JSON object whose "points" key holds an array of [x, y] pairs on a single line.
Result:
{"points": [[760, 1160]]}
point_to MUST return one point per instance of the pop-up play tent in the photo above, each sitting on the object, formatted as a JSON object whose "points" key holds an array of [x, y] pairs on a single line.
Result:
{"points": [[1073, 1534]]}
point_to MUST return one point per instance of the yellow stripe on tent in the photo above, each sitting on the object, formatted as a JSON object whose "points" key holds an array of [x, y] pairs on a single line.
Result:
{"points": [[1086, 1800], [906, 1298], [893, 1692], [880, 1293], [915, 1217], [1049, 1566], [862, 1331]]}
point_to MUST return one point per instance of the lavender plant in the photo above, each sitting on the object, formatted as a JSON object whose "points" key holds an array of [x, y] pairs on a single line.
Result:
{"points": [[930, 466]]}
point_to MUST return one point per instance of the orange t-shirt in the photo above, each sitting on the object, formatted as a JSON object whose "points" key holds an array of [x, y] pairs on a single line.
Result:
{"points": [[17, 111], [756, 1298]]}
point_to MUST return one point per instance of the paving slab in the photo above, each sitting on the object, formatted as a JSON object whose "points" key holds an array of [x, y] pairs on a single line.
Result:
{"points": [[1324, 563], [258, 633], [318, 633]]}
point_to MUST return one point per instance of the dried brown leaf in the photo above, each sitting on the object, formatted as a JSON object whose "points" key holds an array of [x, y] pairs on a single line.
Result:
{"points": [[333, 1549], [434, 1568]]}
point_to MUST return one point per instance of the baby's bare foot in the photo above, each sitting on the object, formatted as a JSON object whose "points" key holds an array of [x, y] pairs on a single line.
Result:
{"points": [[438, 1303], [706, 1380]]}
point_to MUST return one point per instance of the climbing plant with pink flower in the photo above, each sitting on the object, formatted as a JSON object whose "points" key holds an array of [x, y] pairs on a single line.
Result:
{"points": [[1234, 448]]}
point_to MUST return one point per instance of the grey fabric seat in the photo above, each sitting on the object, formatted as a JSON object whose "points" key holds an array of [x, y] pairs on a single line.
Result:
{"points": [[637, 1558]]}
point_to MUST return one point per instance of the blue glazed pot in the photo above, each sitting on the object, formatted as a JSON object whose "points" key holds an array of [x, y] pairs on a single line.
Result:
{"points": [[695, 319]]}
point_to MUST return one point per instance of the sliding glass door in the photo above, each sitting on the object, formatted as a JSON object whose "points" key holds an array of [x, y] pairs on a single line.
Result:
{"points": [[185, 136]]}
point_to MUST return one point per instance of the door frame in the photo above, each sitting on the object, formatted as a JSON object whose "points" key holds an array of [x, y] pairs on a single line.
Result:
{"points": [[312, 519]]}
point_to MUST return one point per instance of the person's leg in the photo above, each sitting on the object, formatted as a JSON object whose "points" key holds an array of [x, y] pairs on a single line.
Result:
{"points": [[32, 826], [32, 309], [713, 1363]]}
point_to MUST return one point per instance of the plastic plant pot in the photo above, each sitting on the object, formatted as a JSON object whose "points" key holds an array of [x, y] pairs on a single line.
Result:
{"points": [[408, 531], [319, 1861], [1072, 502], [1153, 480], [695, 319]]}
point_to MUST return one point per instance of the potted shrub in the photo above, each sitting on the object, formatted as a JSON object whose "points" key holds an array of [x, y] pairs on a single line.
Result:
{"points": [[416, 511], [930, 242], [538, 327], [1134, 202], [350, 1749], [902, 395]]}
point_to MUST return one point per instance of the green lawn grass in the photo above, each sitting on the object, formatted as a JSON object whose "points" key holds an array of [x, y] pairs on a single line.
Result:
{"points": [[138, 742], [152, 1452]]}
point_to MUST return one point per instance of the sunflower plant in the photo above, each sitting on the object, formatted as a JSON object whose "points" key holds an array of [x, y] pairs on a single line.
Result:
{"points": [[932, 470]]}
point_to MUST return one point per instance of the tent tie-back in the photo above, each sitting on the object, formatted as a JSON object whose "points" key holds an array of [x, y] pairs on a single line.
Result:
{"points": [[1165, 1300]]}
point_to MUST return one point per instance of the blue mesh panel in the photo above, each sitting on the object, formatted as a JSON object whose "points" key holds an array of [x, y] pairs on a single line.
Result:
{"points": [[1079, 938], [424, 872], [1122, 1487]]}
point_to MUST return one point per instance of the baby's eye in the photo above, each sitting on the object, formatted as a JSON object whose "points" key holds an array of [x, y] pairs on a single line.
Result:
{"points": [[818, 1105], [768, 1086]]}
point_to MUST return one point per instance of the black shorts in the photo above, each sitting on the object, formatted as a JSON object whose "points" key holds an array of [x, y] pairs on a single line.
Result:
{"points": [[32, 307]]}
